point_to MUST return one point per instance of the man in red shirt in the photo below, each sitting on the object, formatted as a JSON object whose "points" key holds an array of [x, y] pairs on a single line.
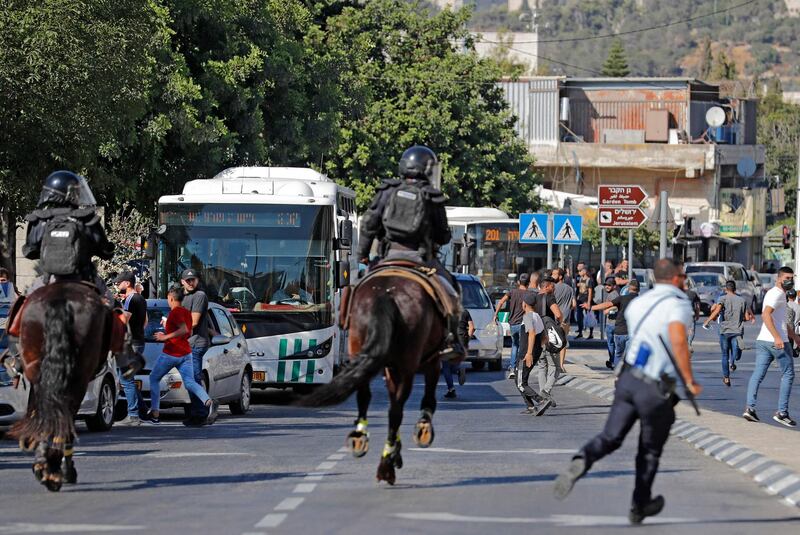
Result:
{"points": [[176, 354]]}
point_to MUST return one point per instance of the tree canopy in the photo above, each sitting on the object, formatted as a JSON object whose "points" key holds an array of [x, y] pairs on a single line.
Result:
{"points": [[616, 64]]}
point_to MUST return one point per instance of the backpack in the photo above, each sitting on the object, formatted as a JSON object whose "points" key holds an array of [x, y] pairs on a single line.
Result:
{"points": [[64, 246], [556, 340], [405, 218]]}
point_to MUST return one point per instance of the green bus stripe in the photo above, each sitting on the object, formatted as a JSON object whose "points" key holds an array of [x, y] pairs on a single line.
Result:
{"points": [[310, 371], [281, 371], [283, 348], [312, 343], [295, 371], [298, 345]]}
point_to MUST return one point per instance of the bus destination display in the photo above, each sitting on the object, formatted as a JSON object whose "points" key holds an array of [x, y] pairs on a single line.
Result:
{"points": [[230, 218]]}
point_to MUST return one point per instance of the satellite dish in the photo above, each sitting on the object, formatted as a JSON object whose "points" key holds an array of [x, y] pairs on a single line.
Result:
{"points": [[746, 167], [715, 117]]}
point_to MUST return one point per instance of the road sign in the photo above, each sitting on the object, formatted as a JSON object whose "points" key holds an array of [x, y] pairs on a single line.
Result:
{"points": [[533, 228], [567, 229], [620, 196], [615, 217]]}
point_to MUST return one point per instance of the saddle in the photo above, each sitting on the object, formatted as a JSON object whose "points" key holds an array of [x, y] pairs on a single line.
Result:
{"points": [[445, 297]]}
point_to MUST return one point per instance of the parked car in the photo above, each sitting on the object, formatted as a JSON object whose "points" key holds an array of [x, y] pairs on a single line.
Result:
{"points": [[97, 407], [227, 371], [731, 271], [646, 279], [767, 282], [709, 287], [486, 345]]}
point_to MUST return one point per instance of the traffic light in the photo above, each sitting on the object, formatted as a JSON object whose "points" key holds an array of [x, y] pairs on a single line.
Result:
{"points": [[787, 237]]}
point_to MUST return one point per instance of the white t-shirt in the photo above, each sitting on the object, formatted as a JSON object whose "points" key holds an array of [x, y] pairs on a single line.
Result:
{"points": [[533, 322], [776, 299]]}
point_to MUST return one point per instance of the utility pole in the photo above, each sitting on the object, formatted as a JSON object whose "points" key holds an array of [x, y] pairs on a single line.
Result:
{"points": [[797, 216], [550, 240], [662, 223], [630, 254]]}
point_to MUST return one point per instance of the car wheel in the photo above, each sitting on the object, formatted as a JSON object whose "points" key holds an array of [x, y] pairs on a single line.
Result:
{"points": [[103, 418], [496, 365], [242, 405], [478, 365]]}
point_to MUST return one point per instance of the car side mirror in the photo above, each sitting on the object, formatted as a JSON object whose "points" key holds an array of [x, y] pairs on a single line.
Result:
{"points": [[345, 235], [220, 340]]}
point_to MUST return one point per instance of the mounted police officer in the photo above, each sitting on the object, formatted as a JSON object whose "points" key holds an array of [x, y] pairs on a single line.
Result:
{"points": [[657, 321], [408, 218]]}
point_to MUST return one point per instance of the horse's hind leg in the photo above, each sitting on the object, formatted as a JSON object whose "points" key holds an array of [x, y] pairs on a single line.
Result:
{"points": [[52, 478], [423, 431], [69, 473], [358, 439], [40, 461], [399, 388]]}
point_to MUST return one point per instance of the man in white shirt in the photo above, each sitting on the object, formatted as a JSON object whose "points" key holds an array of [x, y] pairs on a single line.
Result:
{"points": [[773, 344], [657, 320]]}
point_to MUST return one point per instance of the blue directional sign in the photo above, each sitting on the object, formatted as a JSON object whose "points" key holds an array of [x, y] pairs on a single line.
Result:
{"points": [[533, 228], [567, 229]]}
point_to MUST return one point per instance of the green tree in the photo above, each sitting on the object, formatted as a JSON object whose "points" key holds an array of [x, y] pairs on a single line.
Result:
{"points": [[724, 68], [779, 132], [417, 85], [616, 64], [124, 228], [645, 239], [707, 59]]}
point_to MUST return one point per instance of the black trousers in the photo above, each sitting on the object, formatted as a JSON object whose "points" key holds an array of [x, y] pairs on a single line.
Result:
{"points": [[635, 400], [529, 395]]}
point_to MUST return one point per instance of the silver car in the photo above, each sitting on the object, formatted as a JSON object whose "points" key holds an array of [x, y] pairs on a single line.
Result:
{"points": [[486, 345], [709, 287], [97, 407], [731, 271], [227, 371]]}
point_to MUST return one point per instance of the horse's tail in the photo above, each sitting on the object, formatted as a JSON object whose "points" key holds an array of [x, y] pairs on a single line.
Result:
{"points": [[374, 354], [50, 414]]}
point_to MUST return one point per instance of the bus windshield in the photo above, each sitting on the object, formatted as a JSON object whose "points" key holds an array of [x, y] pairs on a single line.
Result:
{"points": [[269, 264], [498, 253]]}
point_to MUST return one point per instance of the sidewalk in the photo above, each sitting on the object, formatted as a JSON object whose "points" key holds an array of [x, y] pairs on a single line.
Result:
{"points": [[767, 454]]}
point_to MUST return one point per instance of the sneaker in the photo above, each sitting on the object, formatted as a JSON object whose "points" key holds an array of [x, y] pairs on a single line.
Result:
{"points": [[566, 480], [549, 397], [783, 418], [151, 420], [733, 367], [512, 374], [462, 376], [130, 421], [750, 415], [640, 512], [541, 408], [451, 394], [194, 421], [609, 365], [579, 336], [726, 381], [212, 412], [590, 337]]}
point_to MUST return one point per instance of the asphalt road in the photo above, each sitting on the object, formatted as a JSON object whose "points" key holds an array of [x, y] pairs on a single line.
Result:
{"points": [[281, 469]]}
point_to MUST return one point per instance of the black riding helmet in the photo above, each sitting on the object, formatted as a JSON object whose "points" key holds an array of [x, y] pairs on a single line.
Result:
{"points": [[420, 163], [61, 188]]}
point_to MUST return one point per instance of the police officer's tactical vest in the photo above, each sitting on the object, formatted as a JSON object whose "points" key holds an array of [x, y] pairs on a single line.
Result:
{"points": [[406, 216], [64, 247]]}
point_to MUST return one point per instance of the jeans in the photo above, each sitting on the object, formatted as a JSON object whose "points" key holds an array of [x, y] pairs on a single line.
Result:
{"points": [[184, 366], [620, 345], [765, 354], [133, 396], [512, 365], [448, 369], [548, 363], [610, 342], [198, 406], [729, 343], [530, 395]]}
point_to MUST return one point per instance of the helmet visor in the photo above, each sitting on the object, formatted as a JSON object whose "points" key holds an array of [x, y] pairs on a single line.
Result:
{"points": [[85, 195]]}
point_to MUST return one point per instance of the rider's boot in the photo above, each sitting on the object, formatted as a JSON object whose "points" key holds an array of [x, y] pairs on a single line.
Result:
{"points": [[454, 348], [12, 361]]}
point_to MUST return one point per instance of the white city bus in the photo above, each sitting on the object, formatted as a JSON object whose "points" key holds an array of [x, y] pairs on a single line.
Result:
{"points": [[274, 245]]}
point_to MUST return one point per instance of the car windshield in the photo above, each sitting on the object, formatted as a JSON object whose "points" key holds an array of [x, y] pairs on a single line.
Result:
{"points": [[711, 269], [706, 280], [473, 295], [765, 279]]}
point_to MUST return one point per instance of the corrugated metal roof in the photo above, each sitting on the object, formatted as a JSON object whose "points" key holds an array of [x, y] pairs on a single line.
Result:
{"points": [[534, 102]]}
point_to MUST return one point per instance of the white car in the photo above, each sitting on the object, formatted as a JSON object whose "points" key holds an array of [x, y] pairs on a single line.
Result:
{"points": [[227, 371], [97, 407], [646, 279], [486, 345]]}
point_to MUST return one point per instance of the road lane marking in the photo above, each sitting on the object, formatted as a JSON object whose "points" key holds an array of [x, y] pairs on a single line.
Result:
{"points": [[304, 488], [170, 455], [557, 520], [314, 477], [272, 520], [537, 451], [327, 465], [289, 504], [336, 457], [23, 527]]}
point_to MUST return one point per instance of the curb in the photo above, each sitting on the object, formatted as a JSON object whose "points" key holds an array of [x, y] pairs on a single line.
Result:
{"points": [[774, 478]]}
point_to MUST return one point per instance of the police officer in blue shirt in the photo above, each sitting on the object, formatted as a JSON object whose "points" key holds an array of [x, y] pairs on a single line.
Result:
{"points": [[645, 389]]}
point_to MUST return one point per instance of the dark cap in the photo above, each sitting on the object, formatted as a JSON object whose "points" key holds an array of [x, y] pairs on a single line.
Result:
{"points": [[189, 274], [611, 281], [634, 283], [524, 279], [529, 299], [125, 276]]}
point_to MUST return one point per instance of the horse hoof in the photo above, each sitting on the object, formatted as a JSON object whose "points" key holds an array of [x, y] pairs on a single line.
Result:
{"points": [[398, 461], [38, 472], [70, 475], [423, 435], [53, 482], [358, 442], [386, 472]]}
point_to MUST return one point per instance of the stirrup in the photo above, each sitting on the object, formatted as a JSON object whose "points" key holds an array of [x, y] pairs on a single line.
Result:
{"points": [[13, 365]]}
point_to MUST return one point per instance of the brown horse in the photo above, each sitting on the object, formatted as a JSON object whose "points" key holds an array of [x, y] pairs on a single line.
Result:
{"points": [[64, 337], [394, 326]]}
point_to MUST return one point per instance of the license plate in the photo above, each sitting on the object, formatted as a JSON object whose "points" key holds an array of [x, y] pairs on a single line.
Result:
{"points": [[138, 384], [259, 376]]}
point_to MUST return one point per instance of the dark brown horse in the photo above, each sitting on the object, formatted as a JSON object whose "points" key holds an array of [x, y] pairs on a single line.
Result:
{"points": [[64, 338], [394, 326]]}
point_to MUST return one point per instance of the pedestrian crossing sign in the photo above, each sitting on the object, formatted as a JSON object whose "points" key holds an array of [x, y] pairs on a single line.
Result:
{"points": [[568, 229], [533, 228]]}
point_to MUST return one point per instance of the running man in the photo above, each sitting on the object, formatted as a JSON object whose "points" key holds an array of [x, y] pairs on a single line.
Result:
{"points": [[732, 312]]}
